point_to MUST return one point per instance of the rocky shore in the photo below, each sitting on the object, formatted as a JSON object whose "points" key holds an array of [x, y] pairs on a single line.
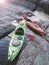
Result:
{"points": [[34, 52]]}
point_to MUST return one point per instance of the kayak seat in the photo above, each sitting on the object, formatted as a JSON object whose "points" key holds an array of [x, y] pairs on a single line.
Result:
{"points": [[19, 31], [16, 43]]}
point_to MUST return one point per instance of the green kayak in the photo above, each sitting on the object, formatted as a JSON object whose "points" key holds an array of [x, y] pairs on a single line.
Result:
{"points": [[16, 42]]}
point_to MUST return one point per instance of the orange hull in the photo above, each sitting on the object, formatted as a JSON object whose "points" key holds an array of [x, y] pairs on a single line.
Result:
{"points": [[34, 26]]}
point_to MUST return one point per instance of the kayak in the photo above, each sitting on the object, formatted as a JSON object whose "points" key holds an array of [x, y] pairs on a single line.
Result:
{"points": [[16, 42], [34, 27]]}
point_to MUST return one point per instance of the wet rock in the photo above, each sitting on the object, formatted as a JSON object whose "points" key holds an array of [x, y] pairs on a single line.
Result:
{"points": [[44, 25], [21, 1], [40, 9], [29, 5], [4, 44], [8, 13], [44, 4], [33, 1], [47, 35], [5, 30], [32, 4], [42, 59]]}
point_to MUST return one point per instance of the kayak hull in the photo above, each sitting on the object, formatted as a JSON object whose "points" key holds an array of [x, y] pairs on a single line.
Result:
{"points": [[15, 47], [35, 27]]}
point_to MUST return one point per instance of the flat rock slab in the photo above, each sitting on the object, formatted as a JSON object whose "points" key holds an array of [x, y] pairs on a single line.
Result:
{"points": [[5, 30], [8, 13], [36, 52], [4, 44], [44, 4]]}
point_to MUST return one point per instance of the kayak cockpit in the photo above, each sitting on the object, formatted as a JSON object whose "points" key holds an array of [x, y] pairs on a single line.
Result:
{"points": [[19, 31]]}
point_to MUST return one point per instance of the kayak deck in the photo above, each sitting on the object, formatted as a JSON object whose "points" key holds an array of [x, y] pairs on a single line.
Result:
{"points": [[16, 42]]}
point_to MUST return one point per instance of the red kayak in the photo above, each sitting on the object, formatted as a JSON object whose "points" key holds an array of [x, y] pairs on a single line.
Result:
{"points": [[34, 26]]}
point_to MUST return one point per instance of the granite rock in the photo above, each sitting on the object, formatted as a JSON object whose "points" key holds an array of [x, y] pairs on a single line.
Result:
{"points": [[33, 51]]}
